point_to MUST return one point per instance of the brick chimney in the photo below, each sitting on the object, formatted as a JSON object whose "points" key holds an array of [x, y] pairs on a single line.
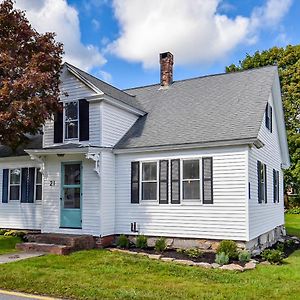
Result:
{"points": [[166, 68]]}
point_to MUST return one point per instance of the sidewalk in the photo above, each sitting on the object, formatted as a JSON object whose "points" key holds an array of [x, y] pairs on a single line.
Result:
{"points": [[7, 258], [6, 295]]}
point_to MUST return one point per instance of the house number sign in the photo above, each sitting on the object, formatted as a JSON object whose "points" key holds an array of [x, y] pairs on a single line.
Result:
{"points": [[52, 182]]}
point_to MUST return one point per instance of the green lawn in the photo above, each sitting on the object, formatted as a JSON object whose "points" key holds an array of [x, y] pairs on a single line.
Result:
{"points": [[100, 274], [292, 224], [8, 243]]}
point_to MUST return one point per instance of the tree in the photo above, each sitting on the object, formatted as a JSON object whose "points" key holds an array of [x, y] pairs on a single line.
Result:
{"points": [[288, 62], [30, 65]]}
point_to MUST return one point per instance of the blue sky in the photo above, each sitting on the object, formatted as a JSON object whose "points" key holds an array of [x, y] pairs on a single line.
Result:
{"points": [[119, 41]]}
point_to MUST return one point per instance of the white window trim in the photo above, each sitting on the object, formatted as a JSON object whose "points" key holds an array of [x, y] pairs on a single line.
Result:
{"points": [[183, 180], [265, 189], [64, 121], [157, 182], [36, 184], [9, 185]]}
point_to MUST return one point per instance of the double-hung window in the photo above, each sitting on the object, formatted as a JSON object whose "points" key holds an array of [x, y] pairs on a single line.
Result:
{"points": [[149, 181], [191, 179], [38, 185], [275, 186], [269, 117], [71, 120], [262, 182], [14, 184]]}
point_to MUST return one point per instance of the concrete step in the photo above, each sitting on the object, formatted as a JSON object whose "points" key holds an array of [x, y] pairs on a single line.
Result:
{"points": [[48, 248]]}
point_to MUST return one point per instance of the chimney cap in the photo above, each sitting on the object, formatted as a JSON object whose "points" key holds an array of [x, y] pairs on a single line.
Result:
{"points": [[165, 54]]}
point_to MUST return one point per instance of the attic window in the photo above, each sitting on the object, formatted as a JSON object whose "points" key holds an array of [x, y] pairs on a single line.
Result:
{"points": [[268, 114], [71, 120]]}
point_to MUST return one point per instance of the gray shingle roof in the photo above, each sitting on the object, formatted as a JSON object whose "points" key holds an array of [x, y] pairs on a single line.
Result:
{"points": [[109, 89], [205, 109]]}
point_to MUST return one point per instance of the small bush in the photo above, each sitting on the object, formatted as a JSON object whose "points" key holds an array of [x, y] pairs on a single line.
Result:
{"points": [[160, 245], [273, 256], [222, 258], [280, 247], [293, 211], [229, 248], [141, 242], [3, 231], [180, 250], [244, 256], [123, 241], [15, 233], [193, 252]]}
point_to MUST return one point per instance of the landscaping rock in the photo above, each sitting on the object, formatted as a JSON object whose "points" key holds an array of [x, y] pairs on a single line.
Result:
{"points": [[215, 265], [265, 263], [184, 262], [250, 266], [232, 267], [142, 253], [167, 258], [254, 261], [154, 256], [203, 265], [204, 245]]}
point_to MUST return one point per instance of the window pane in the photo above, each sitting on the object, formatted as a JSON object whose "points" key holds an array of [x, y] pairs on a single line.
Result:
{"points": [[38, 192], [191, 169], [38, 176], [191, 189], [15, 176], [14, 193], [149, 190], [149, 171], [71, 111], [72, 198], [72, 130], [72, 174]]}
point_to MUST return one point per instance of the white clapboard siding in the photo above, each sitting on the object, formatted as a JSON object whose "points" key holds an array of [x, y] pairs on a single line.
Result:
{"points": [[75, 90], [265, 217], [107, 190], [115, 122], [224, 219], [14, 214], [90, 196]]}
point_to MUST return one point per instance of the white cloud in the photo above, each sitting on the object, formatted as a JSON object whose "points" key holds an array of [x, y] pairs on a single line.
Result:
{"points": [[192, 30], [59, 17]]}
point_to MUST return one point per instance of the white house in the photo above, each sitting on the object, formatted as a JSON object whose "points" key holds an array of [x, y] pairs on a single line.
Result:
{"points": [[196, 159]]}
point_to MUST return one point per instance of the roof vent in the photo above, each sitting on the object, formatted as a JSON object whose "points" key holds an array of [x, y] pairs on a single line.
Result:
{"points": [[166, 68]]}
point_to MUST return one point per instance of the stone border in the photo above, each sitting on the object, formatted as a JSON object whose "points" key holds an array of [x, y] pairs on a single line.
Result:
{"points": [[232, 267]]}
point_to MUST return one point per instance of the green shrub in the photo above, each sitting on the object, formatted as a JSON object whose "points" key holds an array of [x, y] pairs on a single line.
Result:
{"points": [[180, 250], [15, 233], [3, 231], [160, 245], [244, 256], [293, 211], [222, 258], [123, 241], [229, 248], [193, 252], [280, 247], [273, 256], [141, 242]]}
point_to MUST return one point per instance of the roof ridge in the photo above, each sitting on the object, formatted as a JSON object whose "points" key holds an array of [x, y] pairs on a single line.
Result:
{"points": [[204, 76]]}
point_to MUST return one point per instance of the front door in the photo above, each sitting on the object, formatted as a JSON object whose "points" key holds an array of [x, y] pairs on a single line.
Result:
{"points": [[71, 195]]}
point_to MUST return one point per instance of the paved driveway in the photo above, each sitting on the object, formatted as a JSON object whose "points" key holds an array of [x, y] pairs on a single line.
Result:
{"points": [[5, 295]]}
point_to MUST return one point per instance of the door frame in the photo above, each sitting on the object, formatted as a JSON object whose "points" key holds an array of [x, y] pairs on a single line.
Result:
{"points": [[62, 179]]}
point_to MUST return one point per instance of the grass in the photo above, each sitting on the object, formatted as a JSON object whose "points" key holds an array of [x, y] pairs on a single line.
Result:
{"points": [[100, 274], [8, 243], [292, 224]]}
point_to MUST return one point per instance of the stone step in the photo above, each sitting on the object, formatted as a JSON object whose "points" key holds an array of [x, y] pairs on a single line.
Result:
{"points": [[48, 248], [76, 242]]}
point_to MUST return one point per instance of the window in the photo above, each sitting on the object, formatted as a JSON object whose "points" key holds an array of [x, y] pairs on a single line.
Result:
{"points": [[191, 179], [14, 184], [38, 185], [262, 182], [268, 114], [71, 120], [149, 181], [275, 186]]}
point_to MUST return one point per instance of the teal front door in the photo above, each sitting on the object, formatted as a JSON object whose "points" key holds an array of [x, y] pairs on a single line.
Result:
{"points": [[71, 202]]}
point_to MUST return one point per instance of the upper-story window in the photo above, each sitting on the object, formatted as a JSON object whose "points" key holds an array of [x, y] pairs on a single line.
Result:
{"points": [[71, 120], [269, 117]]}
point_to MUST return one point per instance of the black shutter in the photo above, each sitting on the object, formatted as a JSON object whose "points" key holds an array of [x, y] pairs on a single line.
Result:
{"points": [[270, 119], [83, 120], [5, 186], [207, 180], [259, 192], [31, 183], [58, 127], [175, 181], [135, 181], [163, 181], [266, 183], [24, 185]]}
